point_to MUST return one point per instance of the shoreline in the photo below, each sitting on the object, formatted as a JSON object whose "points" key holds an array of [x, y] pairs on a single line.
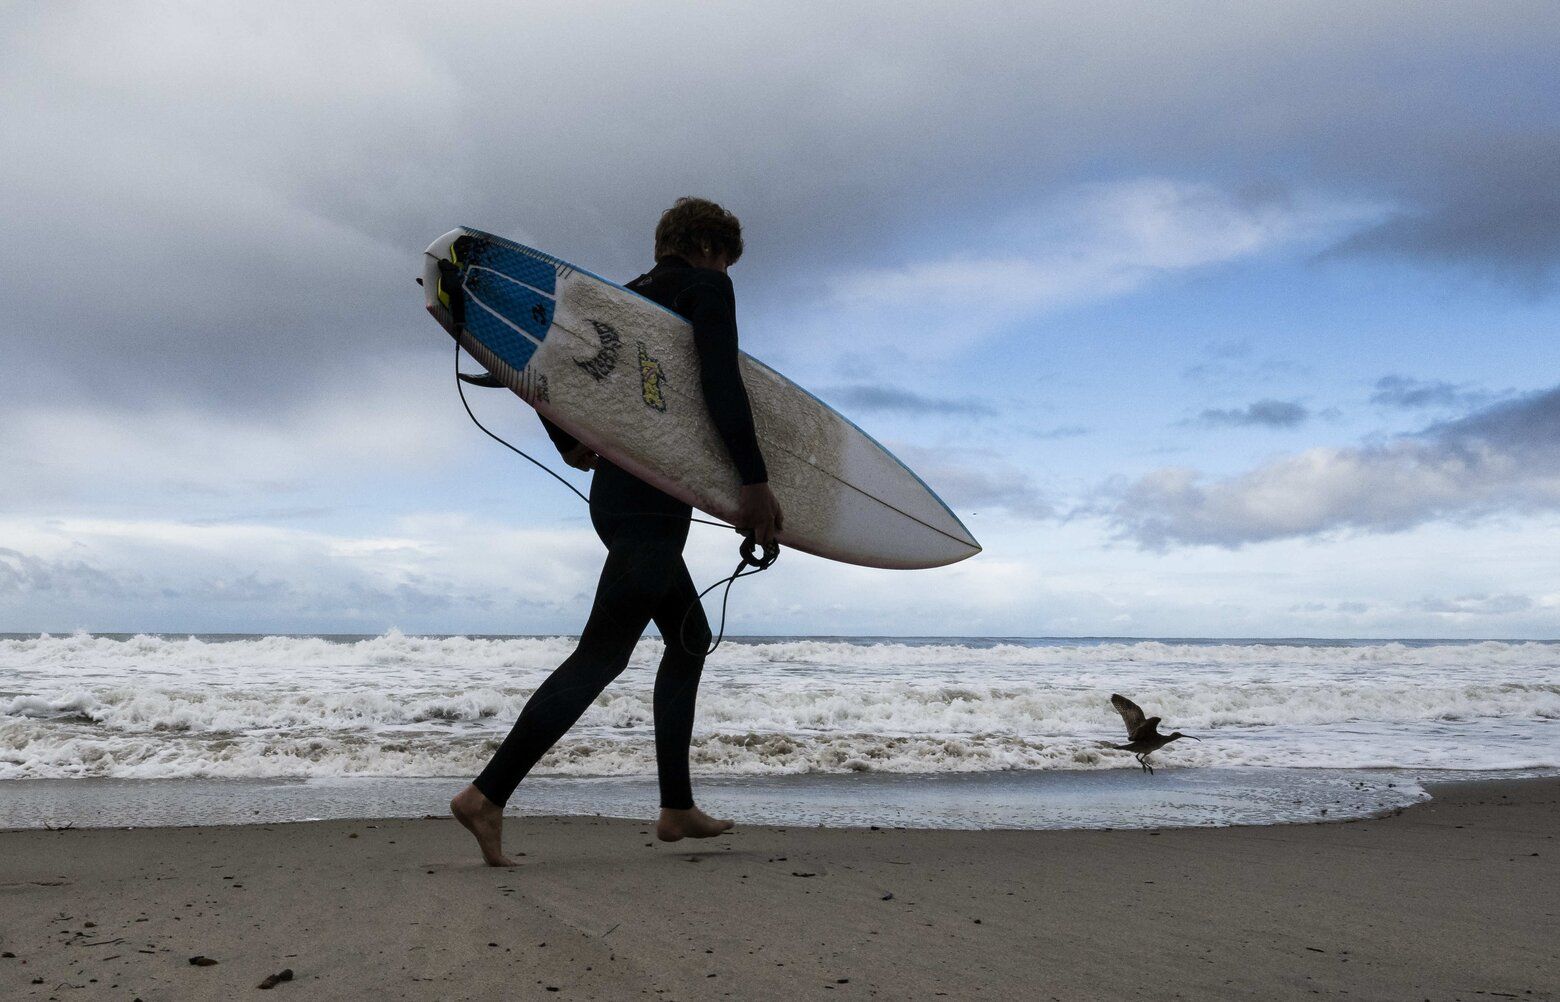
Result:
{"points": [[976, 801], [1445, 899], [771, 637]]}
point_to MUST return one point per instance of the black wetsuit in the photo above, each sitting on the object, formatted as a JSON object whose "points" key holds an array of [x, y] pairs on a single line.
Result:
{"points": [[644, 577]]}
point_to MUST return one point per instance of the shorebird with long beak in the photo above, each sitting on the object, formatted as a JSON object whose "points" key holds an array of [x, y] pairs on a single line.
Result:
{"points": [[1143, 737]]}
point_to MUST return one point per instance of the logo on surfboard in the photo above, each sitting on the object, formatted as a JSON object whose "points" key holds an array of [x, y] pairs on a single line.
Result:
{"points": [[604, 361], [650, 379]]}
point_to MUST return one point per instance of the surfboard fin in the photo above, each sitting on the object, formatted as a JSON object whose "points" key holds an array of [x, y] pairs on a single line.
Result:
{"points": [[480, 379]]}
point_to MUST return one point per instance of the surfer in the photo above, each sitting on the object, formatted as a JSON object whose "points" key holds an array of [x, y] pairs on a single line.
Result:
{"points": [[644, 578]]}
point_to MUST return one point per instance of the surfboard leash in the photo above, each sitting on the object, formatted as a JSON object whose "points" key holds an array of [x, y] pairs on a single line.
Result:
{"points": [[763, 563], [523, 455], [746, 549]]}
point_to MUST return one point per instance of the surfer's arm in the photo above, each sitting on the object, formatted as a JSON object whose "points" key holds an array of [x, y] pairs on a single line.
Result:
{"points": [[711, 309], [562, 439], [574, 452]]}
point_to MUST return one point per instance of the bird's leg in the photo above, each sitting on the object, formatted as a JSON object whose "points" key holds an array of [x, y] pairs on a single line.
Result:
{"points": [[1147, 766]]}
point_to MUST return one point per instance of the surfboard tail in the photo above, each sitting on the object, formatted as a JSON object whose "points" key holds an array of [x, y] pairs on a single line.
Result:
{"points": [[441, 283]]}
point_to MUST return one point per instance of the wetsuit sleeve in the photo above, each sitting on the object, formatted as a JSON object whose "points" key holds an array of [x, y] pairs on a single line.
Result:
{"points": [[710, 305], [562, 439]]}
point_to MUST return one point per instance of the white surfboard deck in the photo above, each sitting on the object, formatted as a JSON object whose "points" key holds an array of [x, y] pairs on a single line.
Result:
{"points": [[621, 374]]}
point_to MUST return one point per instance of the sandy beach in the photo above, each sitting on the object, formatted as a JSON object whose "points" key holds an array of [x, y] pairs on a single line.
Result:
{"points": [[1452, 899]]}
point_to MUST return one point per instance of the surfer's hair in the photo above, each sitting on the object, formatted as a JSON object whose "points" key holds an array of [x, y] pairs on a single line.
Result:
{"points": [[696, 226]]}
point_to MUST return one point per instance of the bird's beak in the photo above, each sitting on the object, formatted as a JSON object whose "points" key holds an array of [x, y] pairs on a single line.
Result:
{"points": [[1192, 736]]}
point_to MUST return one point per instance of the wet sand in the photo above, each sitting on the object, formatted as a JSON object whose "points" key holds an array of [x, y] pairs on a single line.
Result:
{"points": [[1458, 898]]}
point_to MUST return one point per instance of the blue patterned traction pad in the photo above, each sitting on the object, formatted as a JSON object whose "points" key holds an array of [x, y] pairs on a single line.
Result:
{"points": [[506, 284]]}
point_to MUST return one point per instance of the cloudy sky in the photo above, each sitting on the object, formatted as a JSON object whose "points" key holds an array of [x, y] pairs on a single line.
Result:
{"points": [[1219, 319]]}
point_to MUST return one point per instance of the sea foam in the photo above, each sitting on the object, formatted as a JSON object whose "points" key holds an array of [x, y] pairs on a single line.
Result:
{"points": [[276, 706]]}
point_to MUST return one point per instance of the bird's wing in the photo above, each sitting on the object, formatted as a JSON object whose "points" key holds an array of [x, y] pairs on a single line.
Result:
{"points": [[1147, 729], [1130, 714]]}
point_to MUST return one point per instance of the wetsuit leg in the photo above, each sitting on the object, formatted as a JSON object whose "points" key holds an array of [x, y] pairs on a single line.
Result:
{"points": [[677, 685], [644, 557]]}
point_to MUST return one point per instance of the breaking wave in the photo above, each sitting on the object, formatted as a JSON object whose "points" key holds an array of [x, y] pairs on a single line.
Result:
{"points": [[277, 706]]}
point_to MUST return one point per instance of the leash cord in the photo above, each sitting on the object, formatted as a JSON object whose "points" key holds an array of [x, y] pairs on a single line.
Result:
{"points": [[758, 563]]}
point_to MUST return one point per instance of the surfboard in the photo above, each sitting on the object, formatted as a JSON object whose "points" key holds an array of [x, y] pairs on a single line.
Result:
{"points": [[621, 374]]}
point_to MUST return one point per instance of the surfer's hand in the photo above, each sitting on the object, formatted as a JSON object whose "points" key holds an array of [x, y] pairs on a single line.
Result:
{"points": [[758, 511], [580, 457]]}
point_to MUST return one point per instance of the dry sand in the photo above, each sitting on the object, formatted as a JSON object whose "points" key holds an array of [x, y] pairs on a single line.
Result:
{"points": [[1456, 899]]}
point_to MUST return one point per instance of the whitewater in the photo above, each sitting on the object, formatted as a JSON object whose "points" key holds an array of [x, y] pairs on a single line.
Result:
{"points": [[153, 707]]}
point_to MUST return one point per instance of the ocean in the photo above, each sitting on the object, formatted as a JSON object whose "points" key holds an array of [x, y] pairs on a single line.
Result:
{"points": [[955, 732]]}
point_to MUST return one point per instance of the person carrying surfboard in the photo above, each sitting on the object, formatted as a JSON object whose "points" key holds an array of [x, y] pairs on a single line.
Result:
{"points": [[644, 578]]}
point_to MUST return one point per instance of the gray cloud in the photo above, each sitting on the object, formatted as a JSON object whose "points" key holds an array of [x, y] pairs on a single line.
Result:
{"points": [[1495, 211], [265, 515], [982, 490], [1347, 608], [1262, 413], [1478, 604], [1242, 369], [870, 397], [1403, 391], [242, 589], [224, 204], [1503, 458], [979, 481], [1528, 427], [214, 590], [1062, 431], [23, 573]]}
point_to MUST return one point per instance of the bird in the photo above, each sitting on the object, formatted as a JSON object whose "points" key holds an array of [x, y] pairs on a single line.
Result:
{"points": [[1143, 737]]}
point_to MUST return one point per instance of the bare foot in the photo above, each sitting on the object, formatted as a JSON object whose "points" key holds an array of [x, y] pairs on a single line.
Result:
{"points": [[485, 820], [692, 823]]}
